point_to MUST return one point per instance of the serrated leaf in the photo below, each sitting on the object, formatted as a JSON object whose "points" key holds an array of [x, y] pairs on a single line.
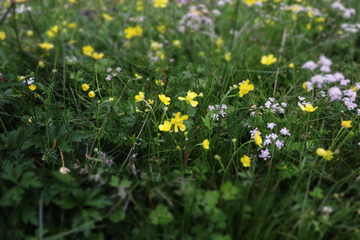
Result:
{"points": [[161, 215], [117, 216], [228, 191], [114, 182]]}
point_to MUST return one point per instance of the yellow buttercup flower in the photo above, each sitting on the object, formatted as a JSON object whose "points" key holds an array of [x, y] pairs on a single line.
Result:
{"points": [[91, 94], [206, 144], [346, 124], [291, 65], [245, 160], [159, 82], [166, 100], [107, 17], [32, 87], [177, 43], [140, 97], [46, 46], [327, 154], [138, 76], [165, 127], [30, 33], [72, 25], [219, 42], [139, 6], [111, 99], [245, 88], [160, 3], [151, 101], [133, 32], [227, 56], [2, 35], [258, 139], [250, 2], [88, 50], [189, 98], [97, 56], [178, 122], [267, 60], [85, 87], [308, 108], [41, 64]]}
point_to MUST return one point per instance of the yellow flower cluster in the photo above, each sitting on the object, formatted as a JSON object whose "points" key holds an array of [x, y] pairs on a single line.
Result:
{"points": [[89, 51], [133, 32], [190, 98], [177, 121]]}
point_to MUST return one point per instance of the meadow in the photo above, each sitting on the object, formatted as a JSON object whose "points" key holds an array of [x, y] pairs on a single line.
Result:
{"points": [[179, 119]]}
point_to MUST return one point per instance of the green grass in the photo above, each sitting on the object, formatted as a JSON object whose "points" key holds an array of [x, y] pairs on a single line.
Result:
{"points": [[85, 155]]}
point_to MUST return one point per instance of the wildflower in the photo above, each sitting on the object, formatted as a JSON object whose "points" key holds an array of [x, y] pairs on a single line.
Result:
{"points": [[308, 108], [250, 2], [178, 122], [165, 127], [245, 88], [285, 131], [140, 97], [160, 54], [177, 43], [97, 56], [327, 154], [46, 46], [107, 17], [346, 124], [160, 3], [219, 42], [72, 25], [245, 161], [310, 65], [133, 32], [279, 144], [291, 65], [267, 60], [91, 94], [189, 98], [165, 100], [29, 33], [206, 144], [258, 139], [227, 56], [41, 64], [111, 99], [88, 50], [2, 35], [64, 170], [159, 82], [265, 154], [139, 6], [138, 76], [32, 87], [85, 87], [161, 28], [271, 125], [335, 93], [53, 31]]}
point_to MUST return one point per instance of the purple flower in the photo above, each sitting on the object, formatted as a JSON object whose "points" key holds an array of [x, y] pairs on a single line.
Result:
{"points": [[335, 93], [279, 144], [271, 125], [310, 65], [265, 154], [285, 131], [344, 82]]}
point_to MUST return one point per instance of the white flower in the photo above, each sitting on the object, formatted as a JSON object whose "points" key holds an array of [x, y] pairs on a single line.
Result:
{"points": [[310, 65], [271, 125], [285, 131], [64, 170], [279, 144], [265, 154], [335, 93], [344, 82], [324, 61], [338, 76], [325, 68]]}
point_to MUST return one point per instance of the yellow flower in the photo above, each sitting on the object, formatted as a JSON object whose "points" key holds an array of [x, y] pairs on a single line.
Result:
{"points": [[46, 46], [85, 87], [160, 54], [320, 19], [327, 154], [30, 33], [155, 45], [177, 43], [161, 28], [139, 6], [205, 144], [97, 56], [308, 108], [138, 76], [91, 94], [201, 94], [258, 139], [189, 98], [88, 50], [245, 161], [140, 97], [133, 32], [19, 1], [159, 82], [165, 127], [245, 88], [2, 35], [219, 42], [346, 124], [72, 1], [41, 64], [166, 100], [160, 3], [72, 25], [32, 87], [227, 56], [53, 31], [291, 65], [151, 101], [111, 99], [178, 122], [107, 17], [267, 60], [308, 26], [250, 2]]}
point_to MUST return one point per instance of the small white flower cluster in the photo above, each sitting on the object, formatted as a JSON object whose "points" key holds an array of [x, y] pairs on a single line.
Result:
{"points": [[223, 2], [347, 12], [268, 105], [112, 73], [303, 103], [196, 17], [71, 59], [217, 110], [296, 8], [350, 28], [323, 61], [271, 138]]}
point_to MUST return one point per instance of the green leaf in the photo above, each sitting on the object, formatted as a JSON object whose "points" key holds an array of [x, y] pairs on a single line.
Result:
{"points": [[117, 216], [209, 200], [161, 215], [317, 193], [228, 191], [114, 182]]}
